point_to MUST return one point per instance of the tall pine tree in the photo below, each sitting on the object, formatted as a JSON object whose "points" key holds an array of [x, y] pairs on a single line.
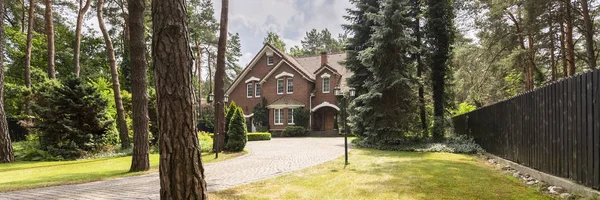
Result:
{"points": [[440, 33]]}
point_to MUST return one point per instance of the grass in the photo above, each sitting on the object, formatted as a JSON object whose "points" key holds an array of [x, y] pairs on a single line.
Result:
{"points": [[26, 174], [374, 174]]}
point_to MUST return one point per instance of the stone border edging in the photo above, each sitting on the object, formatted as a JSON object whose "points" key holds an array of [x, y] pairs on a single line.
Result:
{"points": [[569, 185]]}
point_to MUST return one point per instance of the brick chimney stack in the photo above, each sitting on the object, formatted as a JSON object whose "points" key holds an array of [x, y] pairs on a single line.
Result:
{"points": [[323, 58]]}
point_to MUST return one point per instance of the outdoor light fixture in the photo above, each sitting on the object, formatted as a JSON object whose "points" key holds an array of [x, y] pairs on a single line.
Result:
{"points": [[226, 98], [352, 92], [211, 98], [337, 91]]}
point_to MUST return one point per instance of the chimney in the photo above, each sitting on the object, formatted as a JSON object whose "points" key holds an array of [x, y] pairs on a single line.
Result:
{"points": [[323, 58]]}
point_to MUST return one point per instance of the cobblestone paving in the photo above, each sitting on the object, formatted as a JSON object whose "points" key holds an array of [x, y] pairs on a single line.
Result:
{"points": [[266, 159]]}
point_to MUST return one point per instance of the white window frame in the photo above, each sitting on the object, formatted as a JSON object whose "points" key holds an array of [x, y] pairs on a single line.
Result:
{"points": [[328, 85], [290, 120], [280, 84], [257, 89], [249, 90], [287, 88], [278, 116], [270, 60]]}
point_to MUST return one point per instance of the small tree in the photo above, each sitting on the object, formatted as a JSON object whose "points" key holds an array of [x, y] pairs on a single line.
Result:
{"points": [[230, 111], [237, 132], [301, 117]]}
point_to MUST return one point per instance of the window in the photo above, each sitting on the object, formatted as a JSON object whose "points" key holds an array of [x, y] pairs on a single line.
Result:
{"points": [[270, 60], [278, 116], [290, 119], [257, 90], [326, 85], [290, 85], [249, 91], [280, 86]]}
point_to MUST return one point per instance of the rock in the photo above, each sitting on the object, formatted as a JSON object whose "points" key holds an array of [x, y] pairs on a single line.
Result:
{"points": [[555, 190], [516, 174], [565, 196], [493, 161], [531, 182], [507, 167]]}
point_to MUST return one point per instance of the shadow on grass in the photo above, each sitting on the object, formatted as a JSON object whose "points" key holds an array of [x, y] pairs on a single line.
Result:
{"points": [[21, 165]]}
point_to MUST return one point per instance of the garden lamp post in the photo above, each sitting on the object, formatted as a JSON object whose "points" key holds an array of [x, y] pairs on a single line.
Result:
{"points": [[339, 93], [211, 98], [226, 99]]}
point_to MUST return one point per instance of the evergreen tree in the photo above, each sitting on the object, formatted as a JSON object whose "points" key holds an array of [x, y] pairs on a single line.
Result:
{"points": [[234, 52], [229, 112], [440, 33], [237, 133], [386, 113], [275, 40]]}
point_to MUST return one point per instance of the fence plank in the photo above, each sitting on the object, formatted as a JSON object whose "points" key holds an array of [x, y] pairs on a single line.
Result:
{"points": [[596, 86], [589, 130]]}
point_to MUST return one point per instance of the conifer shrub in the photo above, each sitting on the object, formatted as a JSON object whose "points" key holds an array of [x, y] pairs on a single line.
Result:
{"points": [[72, 118], [237, 132], [229, 112]]}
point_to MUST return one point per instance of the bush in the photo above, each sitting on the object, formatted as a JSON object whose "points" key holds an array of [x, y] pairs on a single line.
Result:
{"points": [[206, 141], [453, 144], [294, 131], [261, 116], [72, 118], [258, 136], [237, 132], [229, 112], [301, 117], [30, 150]]}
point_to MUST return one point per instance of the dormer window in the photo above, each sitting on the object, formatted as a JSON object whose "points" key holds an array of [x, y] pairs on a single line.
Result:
{"points": [[270, 60]]}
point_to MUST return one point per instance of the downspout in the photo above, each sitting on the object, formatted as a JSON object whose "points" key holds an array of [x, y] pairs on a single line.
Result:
{"points": [[310, 109]]}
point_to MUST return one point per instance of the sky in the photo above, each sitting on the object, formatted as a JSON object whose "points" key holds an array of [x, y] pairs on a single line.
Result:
{"points": [[290, 19]]}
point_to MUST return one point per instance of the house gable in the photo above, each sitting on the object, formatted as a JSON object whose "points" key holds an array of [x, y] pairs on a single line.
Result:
{"points": [[258, 57]]}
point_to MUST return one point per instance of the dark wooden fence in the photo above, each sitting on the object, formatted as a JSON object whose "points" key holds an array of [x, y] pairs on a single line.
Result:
{"points": [[554, 129]]}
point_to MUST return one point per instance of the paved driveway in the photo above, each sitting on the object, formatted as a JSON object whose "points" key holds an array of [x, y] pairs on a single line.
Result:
{"points": [[266, 159]]}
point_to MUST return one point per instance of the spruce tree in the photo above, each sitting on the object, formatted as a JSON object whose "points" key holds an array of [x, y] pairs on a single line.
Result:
{"points": [[440, 32], [237, 132], [229, 112], [387, 111]]}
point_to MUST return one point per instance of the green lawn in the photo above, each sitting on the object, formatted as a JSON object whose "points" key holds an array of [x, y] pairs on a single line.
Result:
{"points": [[374, 174], [23, 175]]}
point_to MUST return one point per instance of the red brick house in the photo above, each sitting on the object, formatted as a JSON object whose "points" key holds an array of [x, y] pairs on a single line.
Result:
{"points": [[289, 83]]}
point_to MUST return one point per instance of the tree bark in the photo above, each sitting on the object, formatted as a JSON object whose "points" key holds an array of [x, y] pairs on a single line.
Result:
{"points": [[50, 38], [519, 34], [531, 56], [219, 78], [28, 53], [181, 171], [417, 32], [81, 12], [6, 152], [199, 76], [563, 49], [140, 160], [121, 123], [552, 49], [569, 38], [589, 35], [22, 16]]}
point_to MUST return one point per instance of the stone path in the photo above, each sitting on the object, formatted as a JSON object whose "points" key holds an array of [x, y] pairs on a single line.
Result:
{"points": [[266, 159]]}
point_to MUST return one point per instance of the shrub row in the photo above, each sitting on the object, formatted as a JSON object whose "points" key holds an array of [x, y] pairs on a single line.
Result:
{"points": [[259, 136], [452, 144], [294, 131]]}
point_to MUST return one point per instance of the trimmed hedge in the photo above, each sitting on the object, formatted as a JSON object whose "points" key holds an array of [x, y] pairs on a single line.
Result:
{"points": [[294, 131], [258, 136]]}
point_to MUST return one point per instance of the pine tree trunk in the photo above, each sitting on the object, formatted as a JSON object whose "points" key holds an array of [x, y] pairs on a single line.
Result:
{"points": [[181, 171], [563, 49], [6, 152], [140, 161], [121, 123], [199, 76], [81, 12], [50, 36], [531, 56], [417, 30], [552, 49], [28, 52], [219, 78], [589, 35], [570, 44]]}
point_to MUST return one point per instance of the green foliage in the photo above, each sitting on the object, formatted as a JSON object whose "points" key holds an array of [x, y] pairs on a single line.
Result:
{"points": [[294, 131], [152, 115], [207, 122], [229, 112], [30, 150], [452, 144], [206, 141], [15, 98], [317, 41], [463, 108], [72, 118], [274, 39], [233, 53], [237, 132], [261, 116], [301, 117], [257, 136]]}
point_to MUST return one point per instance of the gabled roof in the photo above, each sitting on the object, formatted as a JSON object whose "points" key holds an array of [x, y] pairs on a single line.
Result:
{"points": [[272, 71], [313, 64], [293, 63], [244, 72], [284, 102]]}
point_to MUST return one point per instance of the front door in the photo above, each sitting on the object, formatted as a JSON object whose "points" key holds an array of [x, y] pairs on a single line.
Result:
{"points": [[318, 120]]}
